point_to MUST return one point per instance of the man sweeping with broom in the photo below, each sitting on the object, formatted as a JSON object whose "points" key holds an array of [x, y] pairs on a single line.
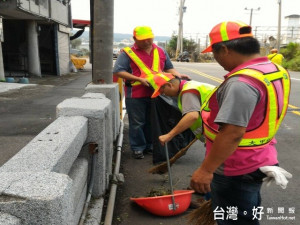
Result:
{"points": [[191, 94], [240, 120]]}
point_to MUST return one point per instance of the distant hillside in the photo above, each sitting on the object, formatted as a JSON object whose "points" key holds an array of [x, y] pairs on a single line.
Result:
{"points": [[119, 37]]}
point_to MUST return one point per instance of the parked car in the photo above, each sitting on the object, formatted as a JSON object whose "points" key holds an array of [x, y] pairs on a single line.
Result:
{"points": [[183, 57]]}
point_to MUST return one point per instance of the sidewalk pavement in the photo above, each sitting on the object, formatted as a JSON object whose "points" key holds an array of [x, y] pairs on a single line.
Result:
{"points": [[5, 87], [46, 80], [26, 109]]}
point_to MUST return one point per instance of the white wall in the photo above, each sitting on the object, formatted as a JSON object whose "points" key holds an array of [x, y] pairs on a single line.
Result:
{"points": [[63, 49]]}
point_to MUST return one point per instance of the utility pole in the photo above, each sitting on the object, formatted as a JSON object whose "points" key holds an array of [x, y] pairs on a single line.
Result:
{"points": [[251, 12], [279, 25], [102, 40], [181, 36], [179, 46], [2, 76]]}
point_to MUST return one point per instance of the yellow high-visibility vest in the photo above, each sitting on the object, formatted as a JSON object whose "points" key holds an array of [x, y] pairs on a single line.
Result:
{"points": [[146, 72], [204, 90]]}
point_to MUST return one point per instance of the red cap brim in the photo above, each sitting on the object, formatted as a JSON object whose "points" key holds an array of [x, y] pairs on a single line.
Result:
{"points": [[208, 49]]}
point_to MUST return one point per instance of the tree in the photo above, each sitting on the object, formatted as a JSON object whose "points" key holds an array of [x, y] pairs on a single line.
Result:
{"points": [[171, 47], [188, 45], [76, 43]]}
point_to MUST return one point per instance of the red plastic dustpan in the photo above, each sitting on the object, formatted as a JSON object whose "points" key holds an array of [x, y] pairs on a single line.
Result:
{"points": [[167, 205], [163, 205]]}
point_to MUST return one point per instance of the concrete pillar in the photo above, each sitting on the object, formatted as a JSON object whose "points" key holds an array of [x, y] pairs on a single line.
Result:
{"points": [[111, 91], [98, 110], [34, 65], [2, 76]]}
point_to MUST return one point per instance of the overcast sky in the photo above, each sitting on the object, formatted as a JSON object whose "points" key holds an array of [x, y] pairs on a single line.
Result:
{"points": [[199, 18]]}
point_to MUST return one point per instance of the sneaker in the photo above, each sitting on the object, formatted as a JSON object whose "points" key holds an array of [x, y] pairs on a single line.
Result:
{"points": [[138, 154], [148, 151]]}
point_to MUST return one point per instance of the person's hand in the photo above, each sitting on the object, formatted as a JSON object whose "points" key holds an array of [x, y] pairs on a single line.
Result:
{"points": [[183, 76], [276, 174], [164, 138], [201, 180], [144, 82]]}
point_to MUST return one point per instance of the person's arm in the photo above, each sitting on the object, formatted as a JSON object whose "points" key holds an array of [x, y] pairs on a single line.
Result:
{"points": [[129, 76], [177, 74], [224, 145], [169, 68], [122, 69], [190, 111], [173, 71], [182, 125]]}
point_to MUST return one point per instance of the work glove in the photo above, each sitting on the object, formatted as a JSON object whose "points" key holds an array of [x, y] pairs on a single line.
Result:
{"points": [[276, 174]]}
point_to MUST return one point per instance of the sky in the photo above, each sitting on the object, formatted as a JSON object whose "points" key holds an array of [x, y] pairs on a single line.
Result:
{"points": [[200, 16]]}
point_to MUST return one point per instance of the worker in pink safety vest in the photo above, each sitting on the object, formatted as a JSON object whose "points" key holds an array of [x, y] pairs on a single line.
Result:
{"points": [[240, 120]]}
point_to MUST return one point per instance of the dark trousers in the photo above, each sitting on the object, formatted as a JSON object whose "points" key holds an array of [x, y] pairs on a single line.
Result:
{"points": [[138, 110], [238, 195]]}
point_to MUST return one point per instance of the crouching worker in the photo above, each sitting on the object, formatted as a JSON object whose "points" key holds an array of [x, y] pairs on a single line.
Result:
{"points": [[191, 95]]}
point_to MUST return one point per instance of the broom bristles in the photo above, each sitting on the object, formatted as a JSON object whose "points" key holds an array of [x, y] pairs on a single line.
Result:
{"points": [[163, 167], [203, 215]]}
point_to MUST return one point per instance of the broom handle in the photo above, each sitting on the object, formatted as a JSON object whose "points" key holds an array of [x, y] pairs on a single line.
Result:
{"points": [[182, 151], [170, 176]]}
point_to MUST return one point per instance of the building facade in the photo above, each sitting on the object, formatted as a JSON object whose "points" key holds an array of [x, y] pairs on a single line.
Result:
{"points": [[293, 29], [36, 37]]}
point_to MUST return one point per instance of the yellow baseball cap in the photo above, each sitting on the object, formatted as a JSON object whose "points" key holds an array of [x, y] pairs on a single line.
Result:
{"points": [[143, 33]]}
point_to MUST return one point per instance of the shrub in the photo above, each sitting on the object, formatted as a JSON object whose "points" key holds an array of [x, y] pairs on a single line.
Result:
{"points": [[291, 56], [293, 64]]}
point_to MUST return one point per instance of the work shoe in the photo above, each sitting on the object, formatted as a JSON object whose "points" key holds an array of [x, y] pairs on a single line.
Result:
{"points": [[138, 154], [148, 151]]}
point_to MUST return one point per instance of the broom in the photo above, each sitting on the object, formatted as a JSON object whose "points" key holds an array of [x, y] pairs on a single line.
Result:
{"points": [[163, 167], [204, 215]]}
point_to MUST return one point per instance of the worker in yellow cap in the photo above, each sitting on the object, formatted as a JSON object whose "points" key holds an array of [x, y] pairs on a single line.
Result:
{"points": [[275, 57], [240, 120], [137, 65]]}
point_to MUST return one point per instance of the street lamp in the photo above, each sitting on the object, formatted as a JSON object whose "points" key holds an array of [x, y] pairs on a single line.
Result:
{"points": [[251, 11]]}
